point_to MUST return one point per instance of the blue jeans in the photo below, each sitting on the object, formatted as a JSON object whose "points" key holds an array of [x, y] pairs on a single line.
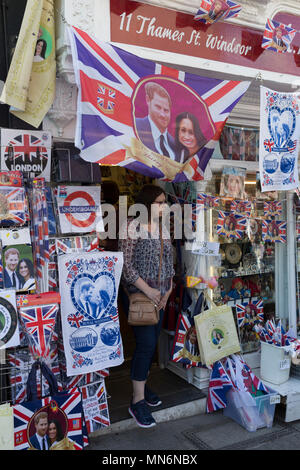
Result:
{"points": [[146, 338]]}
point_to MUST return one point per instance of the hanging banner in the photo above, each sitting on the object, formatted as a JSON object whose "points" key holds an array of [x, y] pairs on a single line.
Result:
{"points": [[211, 11], [274, 231], [119, 122], [79, 209], [30, 84], [231, 225], [272, 208], [277, 36], [89, 285], [26, 151], [279, 140]]}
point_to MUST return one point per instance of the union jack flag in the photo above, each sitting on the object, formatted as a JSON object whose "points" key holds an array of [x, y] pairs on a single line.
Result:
{"points": [[25, 148], [39, 322], [95, 407], [274, 231], [241, 207], [207, 201], [105, 138], [272, 208], [231, 225], [75, 319], [68, 405], [249, 311], [277, 36], [244, 379], [269, 144], [183, 350], [106, 99], [206, 13], [219, 384], [73, 244], [12, 206]]}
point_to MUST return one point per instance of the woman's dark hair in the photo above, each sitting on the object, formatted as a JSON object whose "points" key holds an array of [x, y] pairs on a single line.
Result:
{"points": [[29, 265], [43, 51], [197, 131], [59, 433], [148, 194], [104, 297]]}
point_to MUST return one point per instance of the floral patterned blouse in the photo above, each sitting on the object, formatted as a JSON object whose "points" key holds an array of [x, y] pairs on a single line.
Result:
{"points": [[142, 254]]}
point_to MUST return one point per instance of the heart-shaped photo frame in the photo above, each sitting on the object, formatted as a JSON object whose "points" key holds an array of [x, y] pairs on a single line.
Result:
{"points": [[281, 124], [94, 296]]}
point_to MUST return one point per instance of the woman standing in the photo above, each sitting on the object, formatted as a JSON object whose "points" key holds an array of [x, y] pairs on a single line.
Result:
{"points": [[26, 271], [141, 245]]}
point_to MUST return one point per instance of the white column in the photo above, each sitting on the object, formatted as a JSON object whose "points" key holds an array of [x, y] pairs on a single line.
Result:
{"points": [[291, 262]]}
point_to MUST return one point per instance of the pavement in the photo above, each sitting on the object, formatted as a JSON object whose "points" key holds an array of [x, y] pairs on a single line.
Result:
{"points": [[197, 432]]}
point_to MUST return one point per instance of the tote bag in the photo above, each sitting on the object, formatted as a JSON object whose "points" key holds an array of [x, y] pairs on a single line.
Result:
{"points": [[216, 333]]}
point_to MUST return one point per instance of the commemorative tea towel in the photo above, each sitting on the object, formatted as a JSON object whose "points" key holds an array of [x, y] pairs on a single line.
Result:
{"points": [[279, 140], [89, 285]]}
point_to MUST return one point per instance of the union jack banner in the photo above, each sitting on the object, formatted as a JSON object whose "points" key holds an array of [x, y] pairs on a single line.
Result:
{"points": [[269, 144], [65, 407], [219, 384], [111, 85], [249, 311], [39, 322], [185, 347], [211, 11], [241, 207], [12, 206], [231, 225], [238, 143], [274, 231], [73, 244], [244, 379], [207, 201], [272, 208], [277, 36], [95, 407]]}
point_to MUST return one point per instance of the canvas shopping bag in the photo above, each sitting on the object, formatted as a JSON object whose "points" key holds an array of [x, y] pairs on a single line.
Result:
{"points": [[6, 427], [216, 333], [61, 416]]}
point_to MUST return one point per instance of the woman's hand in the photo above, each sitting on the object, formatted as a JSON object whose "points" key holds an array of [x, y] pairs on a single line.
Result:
{"points": [[153, 294], [163, 301]]}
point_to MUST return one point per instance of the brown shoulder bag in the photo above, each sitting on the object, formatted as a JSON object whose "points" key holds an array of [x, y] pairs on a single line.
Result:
{"points": [[142, 310]]}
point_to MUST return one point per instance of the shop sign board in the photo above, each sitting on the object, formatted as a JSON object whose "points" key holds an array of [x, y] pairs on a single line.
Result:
{"points": [[145, 25]]}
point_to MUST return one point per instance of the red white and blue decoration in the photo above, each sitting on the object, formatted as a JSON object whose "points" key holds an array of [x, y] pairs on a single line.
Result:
{"points": [[38, 318], [211, 11], [113, 127], [12, 206], [26, 151], [79, 209], [272, 208], [66, 408], [9, 325], [185, 347], [231, 225], [219, 384], [241, 207], [89, 284], [249, 311], [274, 231], [277, 36], [207, 201], [95, 407], [279, 140]]}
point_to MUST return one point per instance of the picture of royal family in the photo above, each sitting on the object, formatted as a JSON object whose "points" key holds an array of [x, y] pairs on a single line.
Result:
{"points": [[18, 271], [154, 129], [48, 434]]}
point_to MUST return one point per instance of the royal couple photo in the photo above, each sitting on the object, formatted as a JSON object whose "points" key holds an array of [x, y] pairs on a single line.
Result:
{"points": [[154, 129], [18, 273], [48, 434], [92, 301]]}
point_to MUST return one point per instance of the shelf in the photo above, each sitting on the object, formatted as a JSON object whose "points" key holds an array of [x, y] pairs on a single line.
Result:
{"points": [[239, 274]]}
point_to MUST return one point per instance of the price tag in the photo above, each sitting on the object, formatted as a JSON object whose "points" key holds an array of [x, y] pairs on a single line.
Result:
{"points": [[285, 364], [274, 399], [205, 248]]}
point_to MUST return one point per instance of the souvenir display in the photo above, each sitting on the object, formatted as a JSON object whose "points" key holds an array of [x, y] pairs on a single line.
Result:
{"points": [[207, 201], [26, 151], [9, 327], [6, 427], [216, 333], [211, 11], [79, 209], [95, 408], [12, 206], [279, 140], [272, 208], [238, 143], [73, 244], [241, 207], [249, 312], [233, 253], [89, 285]]}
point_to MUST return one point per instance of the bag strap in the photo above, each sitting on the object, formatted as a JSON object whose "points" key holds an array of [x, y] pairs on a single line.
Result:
{"points": [[161, 250], [31, 386]]}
